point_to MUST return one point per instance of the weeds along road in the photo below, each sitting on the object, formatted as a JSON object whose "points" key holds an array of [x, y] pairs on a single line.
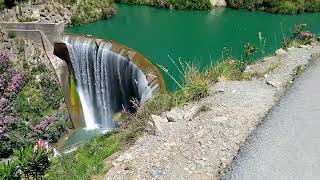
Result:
{"points": [[287, 143]]}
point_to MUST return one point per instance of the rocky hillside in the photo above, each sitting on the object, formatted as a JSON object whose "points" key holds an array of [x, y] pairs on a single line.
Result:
{"points": [[49, 12], [54, 11]]}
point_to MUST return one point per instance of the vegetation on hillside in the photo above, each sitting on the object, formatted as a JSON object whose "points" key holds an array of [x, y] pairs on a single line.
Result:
{"points": [[172, 4], [300, 36], [277, 6], [30, 162], [93, 10], [31, 100]]}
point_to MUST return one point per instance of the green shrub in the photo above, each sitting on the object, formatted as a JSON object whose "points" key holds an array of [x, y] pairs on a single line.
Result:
{"points": [[27, 19], [32, 162], [277, 6], [227, 69], [287, 7], [300, 36], [2, 5], [9, 171], [29, 163], [30, 103], [176, 4], [52, 92], [93, 10], [312, 5], [12, 35]]}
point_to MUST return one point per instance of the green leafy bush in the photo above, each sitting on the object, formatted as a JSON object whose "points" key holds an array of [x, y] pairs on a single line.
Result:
{"points": [[93, 10], [176, 4], [29, 162], [300, 36], [2, 5], [12, 35], [9, 171], [27, 19], [277, 6], [30, 103], [33, 161]]}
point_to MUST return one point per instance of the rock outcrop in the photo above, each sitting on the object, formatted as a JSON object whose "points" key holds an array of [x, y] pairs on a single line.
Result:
{"points": [[46, 12], [218, 3]]}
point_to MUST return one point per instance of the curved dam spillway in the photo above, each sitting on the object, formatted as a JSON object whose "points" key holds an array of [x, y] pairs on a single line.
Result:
{"points": [[108, 79]]}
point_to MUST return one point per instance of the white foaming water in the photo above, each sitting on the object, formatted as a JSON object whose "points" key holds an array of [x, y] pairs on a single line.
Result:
{"points": [[87, 112], [106, 81]]}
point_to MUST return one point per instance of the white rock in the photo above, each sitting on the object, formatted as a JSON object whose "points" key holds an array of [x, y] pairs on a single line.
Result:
{"points": [[304, 46], [158, 123], [248, 69], [191, 113], [233, 91], [218, 3], [274, 82], [174, 115], [281, 52]]}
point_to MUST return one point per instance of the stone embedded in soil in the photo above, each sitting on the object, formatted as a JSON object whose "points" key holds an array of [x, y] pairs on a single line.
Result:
{"points": [[281, 52], [158, 123]]}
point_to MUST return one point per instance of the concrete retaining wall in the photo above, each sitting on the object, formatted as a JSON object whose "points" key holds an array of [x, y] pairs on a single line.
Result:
{"points": [[52, 31]]}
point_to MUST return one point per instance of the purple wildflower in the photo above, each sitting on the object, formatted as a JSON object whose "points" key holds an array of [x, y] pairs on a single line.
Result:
{"points": [[2, 83], [5, 123], [44, 125], [306, 34], [7, 120], [2, 130], [4, 58], [16, 83]]}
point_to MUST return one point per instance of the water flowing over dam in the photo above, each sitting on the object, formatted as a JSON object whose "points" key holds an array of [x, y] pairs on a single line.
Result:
{"points": [[106, 81]]}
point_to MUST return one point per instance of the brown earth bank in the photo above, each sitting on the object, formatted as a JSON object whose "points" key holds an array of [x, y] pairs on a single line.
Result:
{"points": [[201, 139]]}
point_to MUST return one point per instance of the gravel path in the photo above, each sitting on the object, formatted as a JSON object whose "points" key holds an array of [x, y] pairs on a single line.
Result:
{"points": [[206, 135], [287, 144]]}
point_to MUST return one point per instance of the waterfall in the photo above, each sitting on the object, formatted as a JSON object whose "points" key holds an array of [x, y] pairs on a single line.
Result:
{"points": [[106, 81]]}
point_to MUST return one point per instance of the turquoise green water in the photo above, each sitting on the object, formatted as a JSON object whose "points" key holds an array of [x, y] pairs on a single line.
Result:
{"points": [[195, 36]]}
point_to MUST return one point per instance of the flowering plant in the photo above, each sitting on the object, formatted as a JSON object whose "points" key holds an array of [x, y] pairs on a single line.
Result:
{"points": [[33, 162], [16, 83], [4, 61], [41, 145]]}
